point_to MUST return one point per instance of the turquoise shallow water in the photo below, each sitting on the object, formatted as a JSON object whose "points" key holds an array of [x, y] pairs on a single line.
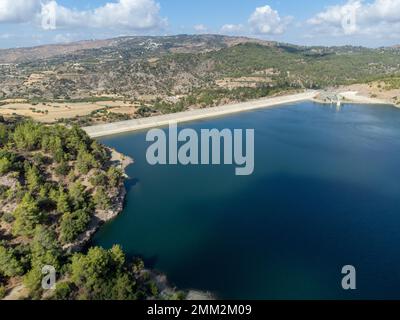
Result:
{"points": [[325, 193]]}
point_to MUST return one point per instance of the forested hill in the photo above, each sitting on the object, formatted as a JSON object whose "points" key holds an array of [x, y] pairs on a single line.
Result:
{"points": [[207, 67], [55, 185]]}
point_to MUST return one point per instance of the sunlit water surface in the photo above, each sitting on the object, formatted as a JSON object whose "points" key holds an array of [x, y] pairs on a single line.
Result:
{"points": [[325, 193]]}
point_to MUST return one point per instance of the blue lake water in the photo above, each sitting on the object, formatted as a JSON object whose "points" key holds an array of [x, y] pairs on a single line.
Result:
{"points": [[325, 193]]}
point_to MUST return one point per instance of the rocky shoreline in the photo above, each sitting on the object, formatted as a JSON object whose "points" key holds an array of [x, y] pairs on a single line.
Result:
{"points": [[101, 216]]}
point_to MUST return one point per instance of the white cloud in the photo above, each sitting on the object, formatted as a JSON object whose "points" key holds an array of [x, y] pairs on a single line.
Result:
{"points": [[63, 38], [15, 11], [201, 28], [232, 28], [380, 17], [265, 20], [5, 36], [128, 14]]}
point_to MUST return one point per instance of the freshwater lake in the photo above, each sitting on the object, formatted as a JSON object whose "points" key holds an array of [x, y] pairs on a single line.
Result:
{"points": [[325, 193]]}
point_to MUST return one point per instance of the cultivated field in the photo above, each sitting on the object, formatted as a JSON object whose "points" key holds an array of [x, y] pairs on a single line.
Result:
{"points": [[52, 112]]}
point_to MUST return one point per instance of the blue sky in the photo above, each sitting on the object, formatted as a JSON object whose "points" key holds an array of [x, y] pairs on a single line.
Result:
{"points": [[326, 22]]}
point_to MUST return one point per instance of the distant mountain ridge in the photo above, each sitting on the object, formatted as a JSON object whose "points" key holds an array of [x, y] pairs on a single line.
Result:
{"points": [[176, 72], [17, 55], [178, 43], [182, 43]]}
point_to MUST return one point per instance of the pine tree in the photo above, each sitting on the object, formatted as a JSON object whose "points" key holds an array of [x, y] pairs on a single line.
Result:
{"points": [[9, 265], [27, 216], [45, 249], [101, 199], [62, 202]]}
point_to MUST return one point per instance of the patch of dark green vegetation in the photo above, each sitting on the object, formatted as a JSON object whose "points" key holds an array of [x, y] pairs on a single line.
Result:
{"points": [[54, 183]]}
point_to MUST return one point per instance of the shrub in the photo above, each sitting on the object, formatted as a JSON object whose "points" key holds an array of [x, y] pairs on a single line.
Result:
{"points": [[2, 291], [7, 217], [62, 169], [63, 291], [99, 179], [5, 165]]}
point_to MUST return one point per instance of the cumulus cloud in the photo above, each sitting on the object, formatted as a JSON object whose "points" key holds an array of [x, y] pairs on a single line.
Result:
{"points": [[359, 17], [132, 14], [201, 28], [129, 14], [232, 28], [265, 20], [15, 11]]}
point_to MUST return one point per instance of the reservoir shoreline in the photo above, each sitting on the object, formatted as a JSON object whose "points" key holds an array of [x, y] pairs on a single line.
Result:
{"points": [[186, 116], [274, 226], [109, 129]]}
